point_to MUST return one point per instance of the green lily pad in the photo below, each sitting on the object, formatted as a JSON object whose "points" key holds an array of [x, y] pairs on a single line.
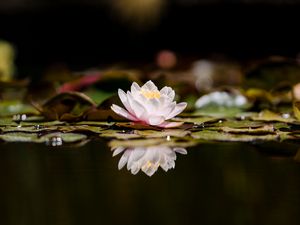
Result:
{"points": [[68, 106], [211, 135], [10, 108], [35, 137], [267, 116]]}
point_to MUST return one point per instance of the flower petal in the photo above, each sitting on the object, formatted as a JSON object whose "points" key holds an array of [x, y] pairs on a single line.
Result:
{"points": [[137, 108], [124, 99], [123, 160], [153, 106], [156, 120], [165, 90], [150, 86], [135, 169], [168, 92], [182, 151], [178, 109], [118, 150], [166, 111], [122, 112], [135, 88], [135, 156]]}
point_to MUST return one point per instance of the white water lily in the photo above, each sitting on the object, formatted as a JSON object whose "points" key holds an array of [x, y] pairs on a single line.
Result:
{"points": [[148, 105], [148, 159]]}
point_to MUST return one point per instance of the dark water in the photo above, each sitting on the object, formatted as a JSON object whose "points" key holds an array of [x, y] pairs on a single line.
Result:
{"points": [[212, 184]]}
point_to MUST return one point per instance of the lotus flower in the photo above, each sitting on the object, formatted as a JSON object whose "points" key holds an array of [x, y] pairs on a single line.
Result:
{"points": [[148, 159], [150, 106]]}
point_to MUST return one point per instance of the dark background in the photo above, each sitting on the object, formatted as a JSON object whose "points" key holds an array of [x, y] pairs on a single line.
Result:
{"points": [[89, 33]]}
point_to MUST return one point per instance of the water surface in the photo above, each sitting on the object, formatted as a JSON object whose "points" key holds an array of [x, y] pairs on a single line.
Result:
{"points": [[213, 184]]}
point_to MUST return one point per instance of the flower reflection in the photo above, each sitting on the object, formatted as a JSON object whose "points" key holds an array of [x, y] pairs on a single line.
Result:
{"points": [[148, 159]]}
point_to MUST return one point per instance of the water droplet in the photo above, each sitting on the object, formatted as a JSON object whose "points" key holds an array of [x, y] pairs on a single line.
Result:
{"points": [[19, 117], [38, 127], [199, 125], [285, 115], [55, 141], [126, 132], [23, 117]]}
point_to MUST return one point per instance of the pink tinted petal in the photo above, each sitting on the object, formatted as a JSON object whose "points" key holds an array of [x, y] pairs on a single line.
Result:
{"points": [[165, 90], [156, 120], [118, 150], [153, 106], [135, 88], [135, 169], [122, 112], [123, 160], [168, 92], [170, 124], [137, 108], [171, 95], [150, 86], [178, 109], [136, 155], [122, 95], [124, 100], [182, 151], [166, 111]]}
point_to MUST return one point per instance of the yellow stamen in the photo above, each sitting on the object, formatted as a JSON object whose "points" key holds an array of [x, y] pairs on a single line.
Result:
{"points": [[149, 164], [150, 94]]}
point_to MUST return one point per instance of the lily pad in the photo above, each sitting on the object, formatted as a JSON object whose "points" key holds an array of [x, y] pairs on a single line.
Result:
{"points": [[48, 138], [267, 115], [210, 135], [67, 106]]}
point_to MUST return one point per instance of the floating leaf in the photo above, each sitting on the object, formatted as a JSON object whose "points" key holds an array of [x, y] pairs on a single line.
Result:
{"points": [[196, 120], [210, 135], [138, 126], [267, 115], [35, 137], [10, 108], [266, 129], [66, 106]]}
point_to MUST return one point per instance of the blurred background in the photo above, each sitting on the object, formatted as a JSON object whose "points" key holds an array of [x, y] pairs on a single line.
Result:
{"points": [[87, 33]]}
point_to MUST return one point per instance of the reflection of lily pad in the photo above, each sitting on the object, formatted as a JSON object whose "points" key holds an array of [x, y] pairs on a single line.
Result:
{"points": [[173, 142], [129, 134]]}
